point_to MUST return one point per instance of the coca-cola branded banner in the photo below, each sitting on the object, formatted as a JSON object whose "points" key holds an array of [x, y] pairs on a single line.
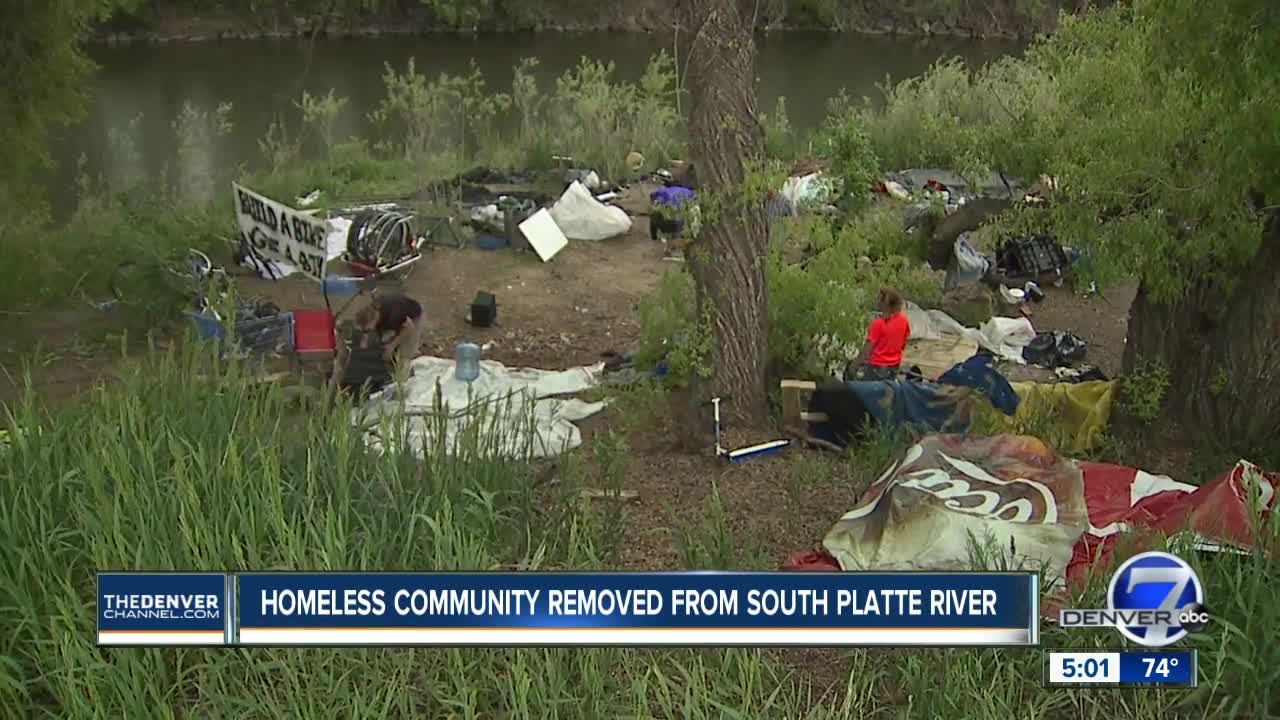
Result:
{"points": [[955, 503]]}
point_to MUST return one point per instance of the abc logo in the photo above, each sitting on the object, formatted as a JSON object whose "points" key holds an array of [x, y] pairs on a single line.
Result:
{"points": [[1194, 618], [1166, 584]]}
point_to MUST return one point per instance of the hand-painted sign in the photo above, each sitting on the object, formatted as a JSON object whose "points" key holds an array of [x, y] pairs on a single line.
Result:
{"points": [[278, 232]]}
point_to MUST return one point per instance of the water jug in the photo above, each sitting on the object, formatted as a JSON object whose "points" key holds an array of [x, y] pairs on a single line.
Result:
{"points": [[467, 356]]}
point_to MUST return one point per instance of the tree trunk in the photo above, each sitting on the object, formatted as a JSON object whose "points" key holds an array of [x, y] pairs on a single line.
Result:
{"points": [[1221, 346], [942, 233], [727, 258]]}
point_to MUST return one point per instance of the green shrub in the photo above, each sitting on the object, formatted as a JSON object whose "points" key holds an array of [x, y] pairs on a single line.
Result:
{"points": [[844, 143], [668, 329], [1144, 390], [820, 307], [598, 121]]}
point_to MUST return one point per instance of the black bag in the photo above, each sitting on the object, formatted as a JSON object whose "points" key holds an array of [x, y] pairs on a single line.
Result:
{"points": [[1055, 349]]}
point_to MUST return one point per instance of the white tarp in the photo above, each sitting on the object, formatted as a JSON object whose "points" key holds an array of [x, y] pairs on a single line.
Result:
{"points": [[582, 217], [521, 410], [1003, 336], [286, 240]]}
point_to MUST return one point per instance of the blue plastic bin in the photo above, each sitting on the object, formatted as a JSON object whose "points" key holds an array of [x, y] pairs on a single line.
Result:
{"points": [[254, 335]]}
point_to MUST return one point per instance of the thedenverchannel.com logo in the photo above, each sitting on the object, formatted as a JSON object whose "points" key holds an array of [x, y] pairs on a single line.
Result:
{"points": [[1154, 599], [163, 609]]}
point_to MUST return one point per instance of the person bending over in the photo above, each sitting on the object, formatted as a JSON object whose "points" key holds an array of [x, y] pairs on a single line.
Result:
{"points": [[886, 339], [399, 316]]}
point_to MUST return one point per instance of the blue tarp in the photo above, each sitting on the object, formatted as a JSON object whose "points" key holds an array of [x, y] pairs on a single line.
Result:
{"points": [[979, 373], [940, 408]]}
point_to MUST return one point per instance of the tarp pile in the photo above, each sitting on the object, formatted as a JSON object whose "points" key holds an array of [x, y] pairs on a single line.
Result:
{"points": [[577, 215], [1006, 337], [955, 502], [582, 217], [514, 413]]}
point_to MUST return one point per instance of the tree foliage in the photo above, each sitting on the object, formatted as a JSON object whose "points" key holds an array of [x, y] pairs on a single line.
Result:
{"points": [[46, 74], [1157, 117]]}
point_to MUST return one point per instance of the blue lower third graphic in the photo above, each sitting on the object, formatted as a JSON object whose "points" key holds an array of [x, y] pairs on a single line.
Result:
{"points": [[164, 609], [638, 609]]}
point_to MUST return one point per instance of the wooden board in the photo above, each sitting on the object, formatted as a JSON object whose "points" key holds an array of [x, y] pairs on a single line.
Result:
{"points": [[795, 404]]}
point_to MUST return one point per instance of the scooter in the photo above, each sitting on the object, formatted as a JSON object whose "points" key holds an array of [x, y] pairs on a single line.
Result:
{"points": [[766, 448]]}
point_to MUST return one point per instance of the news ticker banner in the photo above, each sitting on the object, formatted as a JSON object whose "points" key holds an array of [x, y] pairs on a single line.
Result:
{"points": [[1121, 668], [684, 609]]}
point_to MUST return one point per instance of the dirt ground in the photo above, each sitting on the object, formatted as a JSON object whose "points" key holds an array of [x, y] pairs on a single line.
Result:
{"points": [[568, 312]]}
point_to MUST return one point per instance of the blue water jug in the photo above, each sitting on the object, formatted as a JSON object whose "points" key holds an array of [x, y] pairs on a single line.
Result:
{"points": [[467, 356]]}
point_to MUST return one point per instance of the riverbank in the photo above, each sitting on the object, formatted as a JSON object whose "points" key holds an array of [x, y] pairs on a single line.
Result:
{"points": [[1008, 19]]}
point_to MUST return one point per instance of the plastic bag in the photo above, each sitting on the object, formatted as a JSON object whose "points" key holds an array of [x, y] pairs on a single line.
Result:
{"points": [[967, 265], [1055, 349]]}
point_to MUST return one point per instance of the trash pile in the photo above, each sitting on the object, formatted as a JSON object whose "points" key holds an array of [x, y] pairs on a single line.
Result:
{"points": [[586, 210]]}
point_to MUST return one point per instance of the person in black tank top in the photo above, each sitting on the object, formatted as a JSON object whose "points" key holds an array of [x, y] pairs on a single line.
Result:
{"points": [[397, 315]]}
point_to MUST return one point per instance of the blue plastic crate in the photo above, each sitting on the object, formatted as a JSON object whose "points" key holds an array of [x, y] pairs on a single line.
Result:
{"points": [[254, 335], [207, 326]]}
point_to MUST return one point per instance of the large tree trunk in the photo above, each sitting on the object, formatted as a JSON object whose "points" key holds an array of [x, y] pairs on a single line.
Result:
{"points": [[727, 258], [1221, 346]]}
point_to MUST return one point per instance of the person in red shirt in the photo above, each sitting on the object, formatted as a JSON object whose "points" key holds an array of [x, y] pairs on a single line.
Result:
{"points": [[886, 339]]}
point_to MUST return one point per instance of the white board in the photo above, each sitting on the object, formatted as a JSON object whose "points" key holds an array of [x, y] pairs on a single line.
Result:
{"points": [[281, 234], [544, 235]]}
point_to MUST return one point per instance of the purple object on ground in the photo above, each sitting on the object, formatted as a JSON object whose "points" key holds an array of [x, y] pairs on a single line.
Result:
{"points": [[672, 196]]}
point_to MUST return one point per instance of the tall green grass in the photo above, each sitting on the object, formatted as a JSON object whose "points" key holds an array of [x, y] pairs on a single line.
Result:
{"points": [[162, 471]]}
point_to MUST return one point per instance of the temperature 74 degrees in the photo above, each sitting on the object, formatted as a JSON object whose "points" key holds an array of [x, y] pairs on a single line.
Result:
{"points": [[1158, 666]]}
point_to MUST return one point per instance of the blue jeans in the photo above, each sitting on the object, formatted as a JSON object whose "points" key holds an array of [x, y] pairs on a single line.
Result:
{"points": [[867, 372]]}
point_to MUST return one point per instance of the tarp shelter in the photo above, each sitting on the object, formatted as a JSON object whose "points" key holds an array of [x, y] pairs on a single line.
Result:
{"points": [[517, 412]]}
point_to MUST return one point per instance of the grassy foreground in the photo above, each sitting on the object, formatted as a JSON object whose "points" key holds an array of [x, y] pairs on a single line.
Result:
{"points": [[167, 472]]}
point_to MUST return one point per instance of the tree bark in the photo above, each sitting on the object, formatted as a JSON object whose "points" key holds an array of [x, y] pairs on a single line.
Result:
{"points": [[727, 259], [1221, 346]]}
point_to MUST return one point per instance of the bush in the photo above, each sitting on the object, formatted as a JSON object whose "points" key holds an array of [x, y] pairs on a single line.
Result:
{"points": [[598, 121], [820, 307], [851, 159], [668, 328]]}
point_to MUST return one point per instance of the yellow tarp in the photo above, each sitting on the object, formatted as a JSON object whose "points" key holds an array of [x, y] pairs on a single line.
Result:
{"points": [[1077, 413]]}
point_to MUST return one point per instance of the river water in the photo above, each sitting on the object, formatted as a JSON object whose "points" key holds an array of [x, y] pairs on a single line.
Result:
{"points": [[261, 79]]}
